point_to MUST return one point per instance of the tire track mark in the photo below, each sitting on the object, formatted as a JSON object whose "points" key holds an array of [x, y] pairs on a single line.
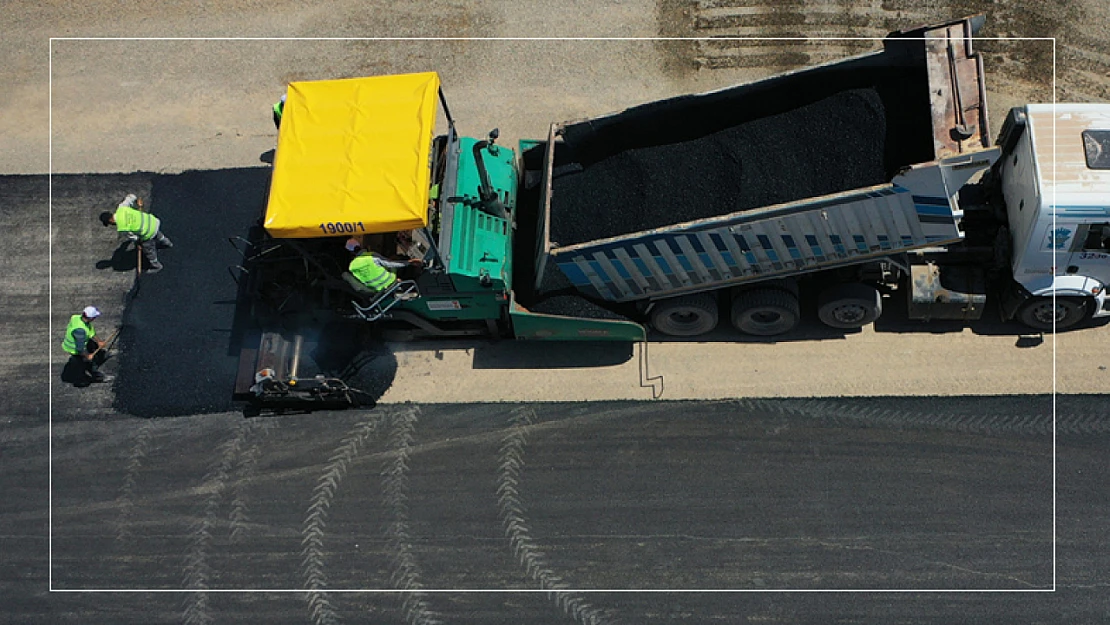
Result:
{"points": [[238, 519], [197, 570], [312, 542], [512, 508], [1037, 424], [742, 32], [395, 484], [126, 498]]}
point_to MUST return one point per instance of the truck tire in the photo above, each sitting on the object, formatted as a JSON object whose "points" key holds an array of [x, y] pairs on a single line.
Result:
{"points": [[689, 315], [1039, 312], [765, 311], [849, 306]]}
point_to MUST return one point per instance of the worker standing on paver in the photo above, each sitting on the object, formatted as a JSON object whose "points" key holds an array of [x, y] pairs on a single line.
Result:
{"points": [[279, 108], [373, 271], [143, 228], [83, 346]]}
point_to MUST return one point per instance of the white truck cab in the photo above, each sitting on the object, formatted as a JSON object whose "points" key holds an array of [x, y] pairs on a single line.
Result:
{"points": [[1055, 180]]}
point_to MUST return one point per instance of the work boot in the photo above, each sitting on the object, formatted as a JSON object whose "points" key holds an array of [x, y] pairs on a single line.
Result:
{"points": [[154, 268], [166, 243], [100, 377]]}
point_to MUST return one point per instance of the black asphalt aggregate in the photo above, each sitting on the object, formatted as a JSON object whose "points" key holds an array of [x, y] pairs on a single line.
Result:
{"points": [[835, 144], [176, 355], [758, 495]]}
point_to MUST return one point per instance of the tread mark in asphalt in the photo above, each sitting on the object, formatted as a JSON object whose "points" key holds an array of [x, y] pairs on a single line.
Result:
{"points": [[312, 543], [406, 571], [1068, 422], [237, 518], [197, 570], [511, 506], [135, 458]]}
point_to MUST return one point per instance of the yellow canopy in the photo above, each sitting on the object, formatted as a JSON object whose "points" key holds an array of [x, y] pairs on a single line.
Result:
{"points": [[352, 156]]}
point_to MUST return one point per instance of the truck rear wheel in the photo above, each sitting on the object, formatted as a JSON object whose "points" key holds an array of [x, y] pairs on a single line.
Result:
{"points": [[1039, 312], [765, 312], [689, 315], [849, 306]]}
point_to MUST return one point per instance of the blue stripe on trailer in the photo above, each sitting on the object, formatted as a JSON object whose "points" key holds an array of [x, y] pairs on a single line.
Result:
{"points": [[622, 271], [791, 247], [573, 273], [814, 246], [931, 200], [1082, 211]]}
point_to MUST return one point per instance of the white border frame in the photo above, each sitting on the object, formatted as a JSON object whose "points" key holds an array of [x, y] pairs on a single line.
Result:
{"points": [[50, 325]]}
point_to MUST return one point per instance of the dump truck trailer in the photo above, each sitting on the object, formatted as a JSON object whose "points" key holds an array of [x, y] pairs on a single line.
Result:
{"points": [[870, 177], [851, 180]]}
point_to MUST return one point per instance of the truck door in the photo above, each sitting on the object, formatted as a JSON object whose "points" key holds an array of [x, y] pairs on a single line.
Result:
{"points": [[1090, 252]]}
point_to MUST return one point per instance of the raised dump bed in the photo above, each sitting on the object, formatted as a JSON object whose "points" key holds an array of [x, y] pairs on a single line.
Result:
{"points": [[826, 166]]}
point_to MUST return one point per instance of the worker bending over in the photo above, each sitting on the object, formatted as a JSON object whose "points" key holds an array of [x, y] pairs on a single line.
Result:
{"points": [[81, 344], [141, 227], [375, 272]]}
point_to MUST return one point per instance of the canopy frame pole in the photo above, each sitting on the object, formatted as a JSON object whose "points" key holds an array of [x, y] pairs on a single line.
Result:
{"points": [[446, 111]]}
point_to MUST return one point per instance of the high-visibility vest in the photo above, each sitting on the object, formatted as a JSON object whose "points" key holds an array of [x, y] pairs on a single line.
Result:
{"points": [[279, 107], [370, 273], [131, 220], [76, 322]]}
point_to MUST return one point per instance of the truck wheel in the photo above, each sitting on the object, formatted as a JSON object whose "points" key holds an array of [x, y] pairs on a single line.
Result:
{"points": [[1039, 312], [765, 312], [689, 315], [849, 306]]}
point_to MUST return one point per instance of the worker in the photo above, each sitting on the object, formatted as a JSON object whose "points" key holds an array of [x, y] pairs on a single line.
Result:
{"points": [[375, 272], [83, 346], [279, 108], [143, 228]]}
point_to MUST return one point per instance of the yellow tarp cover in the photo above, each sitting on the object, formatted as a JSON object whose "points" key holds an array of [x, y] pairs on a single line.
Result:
{"points": [[352, 156]]}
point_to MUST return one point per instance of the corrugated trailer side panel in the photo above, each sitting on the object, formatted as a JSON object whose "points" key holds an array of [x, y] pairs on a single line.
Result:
{"points": [[785, 240]]}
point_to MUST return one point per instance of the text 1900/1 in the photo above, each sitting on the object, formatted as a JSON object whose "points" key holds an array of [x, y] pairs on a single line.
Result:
{"points": [[339, 227]]}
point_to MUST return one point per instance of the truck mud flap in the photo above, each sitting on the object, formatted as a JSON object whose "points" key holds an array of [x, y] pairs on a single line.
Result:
{"points": [[530, 326]]}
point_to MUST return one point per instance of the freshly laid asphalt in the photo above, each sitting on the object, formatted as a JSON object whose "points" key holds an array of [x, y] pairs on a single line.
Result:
{"points": [[846, 495]]}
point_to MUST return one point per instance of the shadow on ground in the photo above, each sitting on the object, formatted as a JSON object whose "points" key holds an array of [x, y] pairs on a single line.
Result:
{"points": [[183, 328]]}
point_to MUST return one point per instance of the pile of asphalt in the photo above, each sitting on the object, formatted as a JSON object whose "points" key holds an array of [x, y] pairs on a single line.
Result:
{"points": [[176, 353], [832, 145], [567, 305]]}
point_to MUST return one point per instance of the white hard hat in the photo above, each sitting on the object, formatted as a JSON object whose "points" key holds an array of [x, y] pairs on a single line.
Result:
{"points": [[353, 245], [92, 312]]}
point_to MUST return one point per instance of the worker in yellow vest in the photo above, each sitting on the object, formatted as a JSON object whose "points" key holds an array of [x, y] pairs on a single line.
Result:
{"points": [[279, 108], [83, 346], [375, 272], [143, 228]]}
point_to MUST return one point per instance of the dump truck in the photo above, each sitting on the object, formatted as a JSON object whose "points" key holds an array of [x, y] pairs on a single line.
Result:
{"points": [[842, 185]]}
